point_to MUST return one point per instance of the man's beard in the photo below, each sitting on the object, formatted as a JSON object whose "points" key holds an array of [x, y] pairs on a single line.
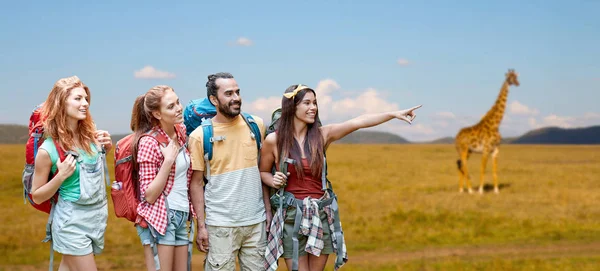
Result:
{"points": [[227, 111]]}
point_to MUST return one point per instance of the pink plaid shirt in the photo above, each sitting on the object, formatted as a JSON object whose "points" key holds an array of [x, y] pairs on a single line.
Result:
{"points": [[150, 159]]}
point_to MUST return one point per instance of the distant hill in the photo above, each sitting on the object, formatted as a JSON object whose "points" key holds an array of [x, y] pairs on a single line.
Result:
{"points": [[372, 137], [17, 134], [443, 140], [504, 140], [13, 134], [555, 135]]}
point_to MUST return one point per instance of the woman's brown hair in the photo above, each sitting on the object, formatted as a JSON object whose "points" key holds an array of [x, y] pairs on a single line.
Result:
{"points": [[287, 146]]}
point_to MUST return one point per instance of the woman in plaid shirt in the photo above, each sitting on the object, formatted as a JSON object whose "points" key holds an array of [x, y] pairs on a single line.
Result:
{"points": [[164, 172], [300, 141]]}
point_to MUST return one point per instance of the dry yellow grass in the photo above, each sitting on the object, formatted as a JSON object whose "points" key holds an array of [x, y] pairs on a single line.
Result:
{"points": [[400, 210]]}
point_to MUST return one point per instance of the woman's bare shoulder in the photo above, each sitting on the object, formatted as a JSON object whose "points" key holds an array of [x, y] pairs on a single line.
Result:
{"points": [[271, 138]]}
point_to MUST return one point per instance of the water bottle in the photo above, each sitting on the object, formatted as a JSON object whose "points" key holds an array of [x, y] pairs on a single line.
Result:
{"points": [[117, 185]]}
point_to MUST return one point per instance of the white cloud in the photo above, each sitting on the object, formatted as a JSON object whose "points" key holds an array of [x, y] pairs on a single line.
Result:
{"points": [[518, 108], [326, 86], [555, 120], [532, 122], [149, 72], [263, 107], [522, 124], [403, 62], [367, 102], [242, 41], [591, 116], [333, 109]]}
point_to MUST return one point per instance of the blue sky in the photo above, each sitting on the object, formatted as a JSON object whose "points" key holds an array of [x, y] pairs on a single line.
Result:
{"points": [[361, 57]]}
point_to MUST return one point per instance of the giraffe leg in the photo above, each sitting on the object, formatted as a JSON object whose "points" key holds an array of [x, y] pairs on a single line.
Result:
{"points": [[495, 168], [464, 156], [461, 174], [484, 158]]}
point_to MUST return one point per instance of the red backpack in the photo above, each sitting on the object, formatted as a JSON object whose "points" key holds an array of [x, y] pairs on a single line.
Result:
{"points": [[36, 133], [125, 190]]}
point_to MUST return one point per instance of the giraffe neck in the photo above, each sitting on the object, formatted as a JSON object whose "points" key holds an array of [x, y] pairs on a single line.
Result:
{"points": [[495, 114]]}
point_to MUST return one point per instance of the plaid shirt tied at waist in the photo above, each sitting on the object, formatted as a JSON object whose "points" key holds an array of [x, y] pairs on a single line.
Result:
{"points": [[309, 225]]}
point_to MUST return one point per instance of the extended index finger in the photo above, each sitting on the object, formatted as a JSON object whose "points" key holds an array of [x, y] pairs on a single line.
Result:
{"points": [[416, 107]]}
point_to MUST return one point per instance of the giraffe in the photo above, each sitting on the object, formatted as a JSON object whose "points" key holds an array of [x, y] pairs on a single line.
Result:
{"points": [[484, 137]]}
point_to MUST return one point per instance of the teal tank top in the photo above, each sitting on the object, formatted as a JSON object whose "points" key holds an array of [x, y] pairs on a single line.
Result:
{"points": [[69, 190]]}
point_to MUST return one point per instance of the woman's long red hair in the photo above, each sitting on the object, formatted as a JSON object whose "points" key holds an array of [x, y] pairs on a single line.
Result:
{"points": [[55, 116]]}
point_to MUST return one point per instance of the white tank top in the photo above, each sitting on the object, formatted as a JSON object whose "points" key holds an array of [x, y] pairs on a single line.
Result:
{"points": [[178, 197]]}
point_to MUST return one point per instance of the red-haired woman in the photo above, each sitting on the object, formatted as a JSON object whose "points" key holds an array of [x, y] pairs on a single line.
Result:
{"points": [[80, 213]]}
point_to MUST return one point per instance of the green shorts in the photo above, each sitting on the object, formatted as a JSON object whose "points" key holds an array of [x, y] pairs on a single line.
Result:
{"points": [[288, 228]]}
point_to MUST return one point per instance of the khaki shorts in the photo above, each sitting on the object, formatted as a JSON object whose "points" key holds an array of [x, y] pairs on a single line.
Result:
{"points": [[288, 228], [247, 243]]}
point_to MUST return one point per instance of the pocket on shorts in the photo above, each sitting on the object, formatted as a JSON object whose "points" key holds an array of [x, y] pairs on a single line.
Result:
{"points": [[62, 216], [222, 232], [219, 261], [177, 218], [144, 235], [170, 215], [91, 183]]}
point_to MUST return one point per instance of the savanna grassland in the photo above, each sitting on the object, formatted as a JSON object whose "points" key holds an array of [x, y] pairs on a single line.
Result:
{"points": [[400, 210]]}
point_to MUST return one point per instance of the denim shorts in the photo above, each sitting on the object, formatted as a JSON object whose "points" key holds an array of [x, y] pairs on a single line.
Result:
{"points": [[79, 229], [175, 235]]}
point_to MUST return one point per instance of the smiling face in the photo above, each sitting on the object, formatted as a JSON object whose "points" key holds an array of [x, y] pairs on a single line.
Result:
{"points": [[228, 100], [306, 109], [77, 104], [171, 111]]}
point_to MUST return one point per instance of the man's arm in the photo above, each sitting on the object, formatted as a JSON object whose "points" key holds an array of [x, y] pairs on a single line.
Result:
{"points": [[197, 195]]}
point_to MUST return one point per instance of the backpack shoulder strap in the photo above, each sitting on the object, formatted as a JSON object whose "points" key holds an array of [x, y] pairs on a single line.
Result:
{"points": [[254, 129], [181, 130], [207, 138], [324, 181], [61, 157], [61, 152], [37, 134], [160, 138]]}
